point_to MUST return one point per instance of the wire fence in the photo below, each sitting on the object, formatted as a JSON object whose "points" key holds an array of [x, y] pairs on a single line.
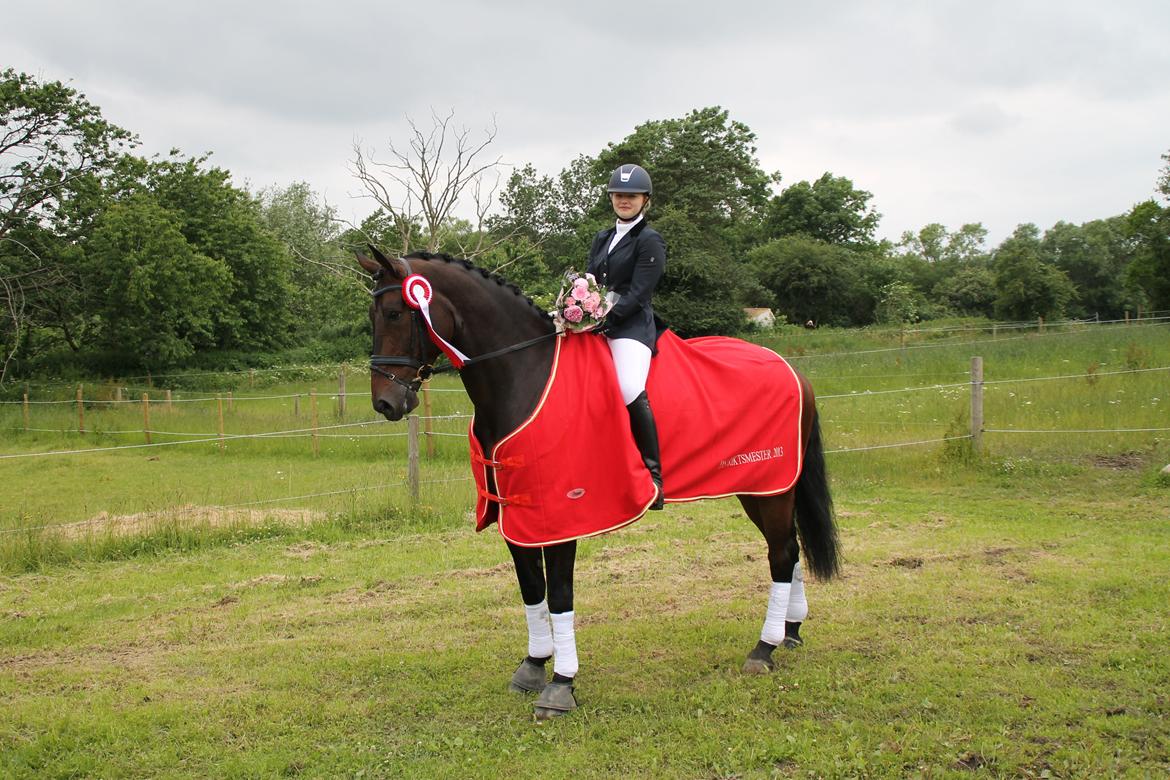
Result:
{"points": [[355, 431]]}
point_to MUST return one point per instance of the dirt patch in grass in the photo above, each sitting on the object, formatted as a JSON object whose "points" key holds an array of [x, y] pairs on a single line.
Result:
{"points": [[184, 517], [1122, 461]]}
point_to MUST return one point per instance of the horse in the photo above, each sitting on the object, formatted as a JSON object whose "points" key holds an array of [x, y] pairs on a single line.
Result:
{"points": [[505, 345]]}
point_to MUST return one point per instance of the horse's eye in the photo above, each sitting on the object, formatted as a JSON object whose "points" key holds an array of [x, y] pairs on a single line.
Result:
{"points": [[391, 315]]}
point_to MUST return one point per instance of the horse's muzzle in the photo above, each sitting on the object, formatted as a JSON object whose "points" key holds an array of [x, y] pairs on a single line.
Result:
{"points": [[394, 409]]}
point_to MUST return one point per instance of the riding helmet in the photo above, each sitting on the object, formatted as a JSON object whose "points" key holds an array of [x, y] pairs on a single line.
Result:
{"points": [[630, 178]]}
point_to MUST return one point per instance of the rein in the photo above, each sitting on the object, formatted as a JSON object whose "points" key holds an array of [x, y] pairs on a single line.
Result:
{"points": [[418, 331]]}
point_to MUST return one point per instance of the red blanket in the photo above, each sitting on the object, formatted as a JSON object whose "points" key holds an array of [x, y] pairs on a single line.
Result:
{"points": [[728, 415]]}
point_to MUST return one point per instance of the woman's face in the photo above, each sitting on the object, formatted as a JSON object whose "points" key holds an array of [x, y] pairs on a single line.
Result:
{"points": [[627, 205]]}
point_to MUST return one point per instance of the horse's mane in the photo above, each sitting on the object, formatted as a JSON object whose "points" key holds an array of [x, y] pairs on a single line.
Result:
{"points": [[486, 274]]}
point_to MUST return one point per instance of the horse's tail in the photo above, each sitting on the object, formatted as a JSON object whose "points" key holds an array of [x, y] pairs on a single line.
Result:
{"points": [[814, 509]]}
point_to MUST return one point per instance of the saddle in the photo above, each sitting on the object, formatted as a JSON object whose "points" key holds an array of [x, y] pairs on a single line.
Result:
{"points": [[728, 415]]}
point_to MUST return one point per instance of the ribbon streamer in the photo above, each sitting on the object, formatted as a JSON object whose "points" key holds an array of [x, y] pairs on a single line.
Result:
{"points": [[417, 292]]}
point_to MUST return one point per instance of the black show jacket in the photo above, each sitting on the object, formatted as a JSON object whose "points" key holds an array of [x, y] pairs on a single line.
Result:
{"points": [[632, 270]]}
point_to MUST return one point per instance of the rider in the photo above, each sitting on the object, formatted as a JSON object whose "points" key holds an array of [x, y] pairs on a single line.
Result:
{"points": [[629, 259]]}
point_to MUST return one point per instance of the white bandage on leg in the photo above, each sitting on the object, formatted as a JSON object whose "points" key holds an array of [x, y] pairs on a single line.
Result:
{"points": [[797, 604], [540, 639], [773, 632], [564, 645], [631, 359]]}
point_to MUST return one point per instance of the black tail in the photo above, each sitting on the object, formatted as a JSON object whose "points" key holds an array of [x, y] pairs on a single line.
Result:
{"points": [[814, 509]]}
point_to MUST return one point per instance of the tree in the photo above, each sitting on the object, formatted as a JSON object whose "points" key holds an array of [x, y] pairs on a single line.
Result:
{"points": [[1026, 287], [1094, 256], [154, 297], [898, 302], [222, 222], [55, 148], [426, 183], [830, 209], [1148, 225], [327, 290], [52, 140], [812, 280], [969, 291]]}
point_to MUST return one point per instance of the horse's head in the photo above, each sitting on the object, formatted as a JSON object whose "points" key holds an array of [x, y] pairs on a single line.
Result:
{"points": [[401, 347]]}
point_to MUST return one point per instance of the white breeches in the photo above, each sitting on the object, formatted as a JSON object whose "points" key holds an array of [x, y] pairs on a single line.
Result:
{"points": [[632, 360]]}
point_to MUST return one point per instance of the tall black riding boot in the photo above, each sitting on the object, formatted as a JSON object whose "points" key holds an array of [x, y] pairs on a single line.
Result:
{"points": [[646, 437]]}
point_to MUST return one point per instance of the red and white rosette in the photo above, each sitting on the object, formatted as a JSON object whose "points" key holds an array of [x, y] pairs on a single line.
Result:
{"points": [[417, 292]]}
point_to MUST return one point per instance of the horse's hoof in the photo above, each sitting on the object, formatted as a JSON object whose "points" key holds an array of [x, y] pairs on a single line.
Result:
{"points": [[528, 678], [556, 699], [756, 666], [759, 660]]}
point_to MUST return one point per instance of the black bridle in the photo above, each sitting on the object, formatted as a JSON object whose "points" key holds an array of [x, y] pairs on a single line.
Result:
{"points": [[418, 336]]}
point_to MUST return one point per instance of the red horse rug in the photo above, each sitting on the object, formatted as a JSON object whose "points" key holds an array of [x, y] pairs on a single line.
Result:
{"points": [[728, 415]]}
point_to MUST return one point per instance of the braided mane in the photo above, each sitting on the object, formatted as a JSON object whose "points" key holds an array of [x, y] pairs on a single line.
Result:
{"points": [[489, 275]]}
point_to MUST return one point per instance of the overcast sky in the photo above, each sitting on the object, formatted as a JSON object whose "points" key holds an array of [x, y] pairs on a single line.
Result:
{"points": [[951, 112]]}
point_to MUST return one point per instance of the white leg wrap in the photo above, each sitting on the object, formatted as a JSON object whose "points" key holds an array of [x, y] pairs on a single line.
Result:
{"points": [[540, 639], [773, 632], [797, 605], [565, 644]]}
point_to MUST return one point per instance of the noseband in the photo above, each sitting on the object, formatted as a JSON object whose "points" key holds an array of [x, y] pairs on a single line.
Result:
{"points": [[418, 336]]}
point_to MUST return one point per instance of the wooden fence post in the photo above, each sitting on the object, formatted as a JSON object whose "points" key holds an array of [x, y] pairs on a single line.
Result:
{"points": [[251, 378], [26, 409], [146, 416], [297, 406], [1039, 324], [118, 394], [80, 412], [313, 407], [412, 456], [341, 394], [977, 404], [219, 413], [170, 405], [430, 423]]}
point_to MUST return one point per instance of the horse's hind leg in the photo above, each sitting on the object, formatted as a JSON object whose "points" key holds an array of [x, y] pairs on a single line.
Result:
{"points": [[787, 607]]}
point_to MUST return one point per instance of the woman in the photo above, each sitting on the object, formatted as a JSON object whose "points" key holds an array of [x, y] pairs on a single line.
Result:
{"points": [[629, 259]]}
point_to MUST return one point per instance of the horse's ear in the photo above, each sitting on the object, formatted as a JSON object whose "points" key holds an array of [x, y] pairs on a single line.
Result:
{"points": [[370, 267], [394, 267]]}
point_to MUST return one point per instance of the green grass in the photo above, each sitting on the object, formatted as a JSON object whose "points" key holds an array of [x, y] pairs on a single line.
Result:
{"points": [[999, 615], [1010, 623]]}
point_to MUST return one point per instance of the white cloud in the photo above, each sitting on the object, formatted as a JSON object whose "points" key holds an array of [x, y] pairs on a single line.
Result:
{"points": [[946, 111]]}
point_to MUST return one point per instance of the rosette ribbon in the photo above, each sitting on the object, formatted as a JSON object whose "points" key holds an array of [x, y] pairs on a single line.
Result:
{"points": [[417, 292]]}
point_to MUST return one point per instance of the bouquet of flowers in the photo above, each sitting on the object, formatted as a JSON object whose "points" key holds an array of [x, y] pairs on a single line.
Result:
{"points": [[581, 304]]}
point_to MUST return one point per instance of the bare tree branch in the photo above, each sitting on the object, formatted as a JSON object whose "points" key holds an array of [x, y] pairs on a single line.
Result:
{"points": [[439, 167]]}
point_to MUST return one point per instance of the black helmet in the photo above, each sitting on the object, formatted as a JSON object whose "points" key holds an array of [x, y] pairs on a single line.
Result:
{"points": [[630, 178]]}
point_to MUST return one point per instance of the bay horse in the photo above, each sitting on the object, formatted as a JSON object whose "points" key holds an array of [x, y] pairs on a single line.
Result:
{"points": [[507, 343]]}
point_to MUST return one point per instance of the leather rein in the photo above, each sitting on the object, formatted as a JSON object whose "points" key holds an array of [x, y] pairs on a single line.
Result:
{"points": [[418, 334]]}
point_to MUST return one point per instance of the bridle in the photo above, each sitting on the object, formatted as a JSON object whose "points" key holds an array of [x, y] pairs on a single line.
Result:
{"points": [[424, 369]]}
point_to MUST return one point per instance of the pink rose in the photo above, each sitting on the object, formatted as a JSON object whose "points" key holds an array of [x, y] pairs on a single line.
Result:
{"points": [[573, 313], [592, 303], [580, 290]]}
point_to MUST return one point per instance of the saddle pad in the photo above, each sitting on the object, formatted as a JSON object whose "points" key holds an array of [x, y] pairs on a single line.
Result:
{"points": [[728, 416]]}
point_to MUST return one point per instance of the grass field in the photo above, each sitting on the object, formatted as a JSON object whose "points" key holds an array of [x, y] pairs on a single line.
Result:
{"points": [[999, 615]]}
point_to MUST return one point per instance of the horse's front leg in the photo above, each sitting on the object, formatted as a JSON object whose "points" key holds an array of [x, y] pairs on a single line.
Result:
{"points": [[557, 697], [787, 606], [530, 675]]}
